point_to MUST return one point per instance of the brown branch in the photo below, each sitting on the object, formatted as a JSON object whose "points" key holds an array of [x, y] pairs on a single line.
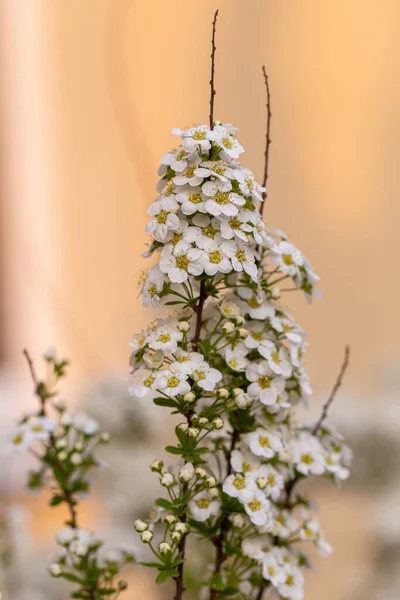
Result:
{"points": [[334, 391], [180, 588], [40, 390], [262, 590], [267, 137], [199, 312], [213, 49]]}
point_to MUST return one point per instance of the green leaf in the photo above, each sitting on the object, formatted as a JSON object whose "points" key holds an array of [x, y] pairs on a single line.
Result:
{"points": [[164, 503], [166, 402], [162, 577], [152, 565], [174, 450]]}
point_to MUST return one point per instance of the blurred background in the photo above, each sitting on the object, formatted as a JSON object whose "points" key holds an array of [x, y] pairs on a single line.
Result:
{"points": [[89, 92]]}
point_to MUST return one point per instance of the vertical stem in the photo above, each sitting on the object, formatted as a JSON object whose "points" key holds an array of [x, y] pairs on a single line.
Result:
{"points": [[213, 49], [267, 137], [199, 313]]}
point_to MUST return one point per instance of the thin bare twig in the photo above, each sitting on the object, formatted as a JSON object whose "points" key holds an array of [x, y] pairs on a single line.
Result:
{"points": [[267, 137], [213, 49], [334, 391]]}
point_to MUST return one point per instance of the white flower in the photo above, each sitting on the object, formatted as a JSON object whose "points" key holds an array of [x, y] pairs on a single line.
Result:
{"points": [[55, 570], [220, 199], [205, 376], [243, 463], [20, 438], [138, 341], [265, 386], [287, 257], [164, 548], [217, 169], [191, 200], [308, 455], [194, 138], [242, 257], [273, 567], [239, 486], [214, 259], [247, 184], [264, 442], [229, 309], [147, 536], [65, 537], [177, 160], [203, 506], [40, 428], [172, 382], [268, 480], [236, 226], [164, 219], [256, 305], [236, 358], [208, 229], [140, 526], [284, 524], [165, 338], [257, 508], [152, 287], [144, 383], [292, 586], [76, 459], [177, 265], [188, 177], [278, 360], [221, 136]]}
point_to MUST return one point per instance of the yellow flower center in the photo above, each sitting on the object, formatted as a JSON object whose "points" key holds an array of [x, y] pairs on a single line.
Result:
{"points": [[241, 255], [182, 262], [37, 428], [253, 303], [287, 259], [239, 483], [227, 143], [264, 441], [200, 375], [148, 382], [209, 231], [257, 336], [203, 503], [307, 459], [164, 338], [199, 135], [254, 505], [18, 439], [162, 217], [176, 238], [246, 467], [152, 290], [271, 479], [173, 382], [264, 382], [195, 198], [234, 223], [290, 580], [215, 257], [221, 198], [190, 172], [275, 357], [180, 155]]}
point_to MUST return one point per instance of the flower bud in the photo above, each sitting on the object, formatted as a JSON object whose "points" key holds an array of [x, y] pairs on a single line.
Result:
{"points": [[122, 585], [218, 423], [156, 466], [62, 455], [239, 320], [228, 327], [78, 447], [104, 437], [187, 472], [176, 536], [193, 432], [147, 536], [203, 421], [60, 406], [262, 483], [167, 480], [164, 548], [222, 393], [214, 493], [210, 482], [243, 333], [242, 400], [55, 570], [76, 459], [183, 427], [181, 527], [238, 392], [60, 444], [189, 397], [276, 293], [66, 421], [200, 473], [170, 519], [183, 326], [237, 520], [140, 526]]}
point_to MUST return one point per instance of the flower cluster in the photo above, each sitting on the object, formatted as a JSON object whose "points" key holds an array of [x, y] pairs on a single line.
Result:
{"points": [[65, 448], [231, 364]]}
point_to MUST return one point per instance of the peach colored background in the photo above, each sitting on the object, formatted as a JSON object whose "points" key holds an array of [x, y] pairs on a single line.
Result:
{"points": [[89, 91]]}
